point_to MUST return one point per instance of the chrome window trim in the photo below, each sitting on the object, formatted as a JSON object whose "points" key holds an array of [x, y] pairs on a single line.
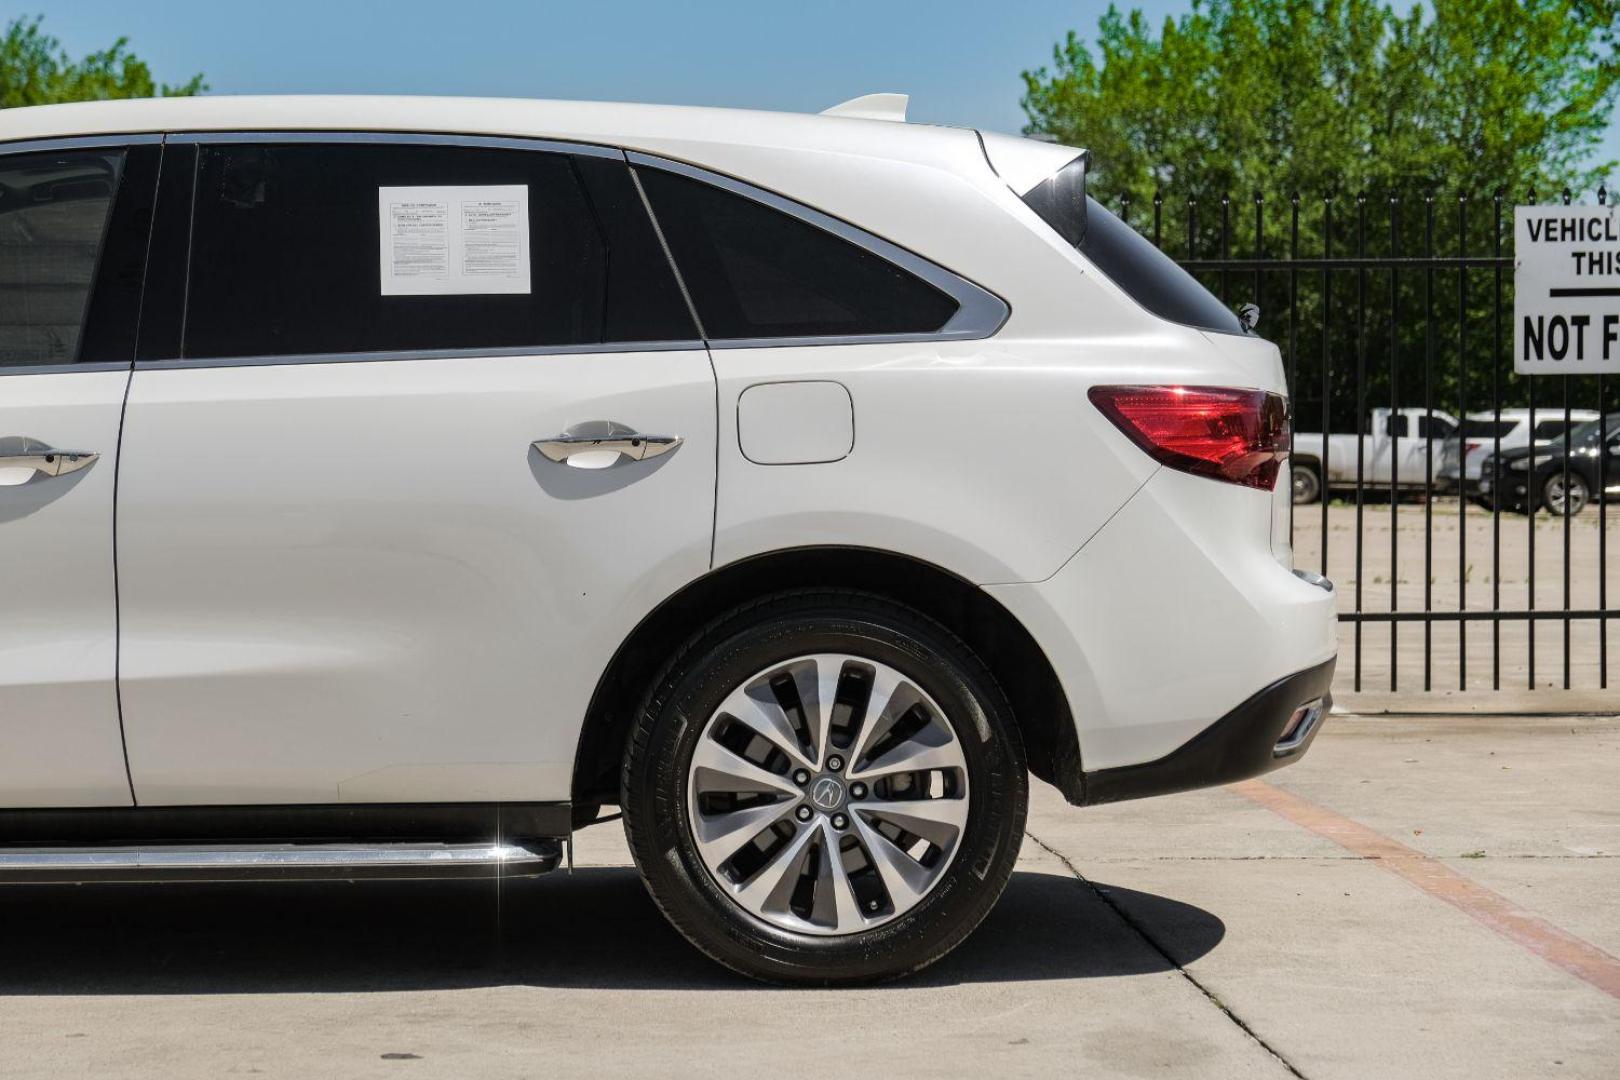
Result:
{"points": [[62, 369], [398, 138], [979, 312], [395, 355], [79, 142]]}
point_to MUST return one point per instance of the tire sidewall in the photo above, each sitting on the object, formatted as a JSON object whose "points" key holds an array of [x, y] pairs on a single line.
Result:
{"points": [[1313, 492], [658, 800]]}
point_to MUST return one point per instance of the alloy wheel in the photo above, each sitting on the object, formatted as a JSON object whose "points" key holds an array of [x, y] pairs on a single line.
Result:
{"points": [[827, 794], [1565, 500]]}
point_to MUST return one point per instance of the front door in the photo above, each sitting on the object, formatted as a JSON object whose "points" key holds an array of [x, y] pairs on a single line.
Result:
{"points": [[73, 224], [347, 572]]}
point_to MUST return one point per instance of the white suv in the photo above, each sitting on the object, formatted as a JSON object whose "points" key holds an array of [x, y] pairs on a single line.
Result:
{"points": [[388, 485]]}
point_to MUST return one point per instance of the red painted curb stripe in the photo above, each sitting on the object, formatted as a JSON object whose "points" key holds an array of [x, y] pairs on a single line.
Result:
{"points": [[1581, 959]]}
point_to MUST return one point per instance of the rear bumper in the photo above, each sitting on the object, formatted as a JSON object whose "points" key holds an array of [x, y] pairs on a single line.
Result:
{"points": [[1246, 742], [1170, 618]]}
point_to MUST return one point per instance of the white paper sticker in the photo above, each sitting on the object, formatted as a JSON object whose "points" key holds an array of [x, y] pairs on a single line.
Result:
{"points": [[454, 241]]}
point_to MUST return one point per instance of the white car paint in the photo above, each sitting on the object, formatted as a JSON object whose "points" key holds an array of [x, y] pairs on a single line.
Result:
{"points": [[1378, 446], [803, 422], [337, 583], [59, 739], [347, 582]]}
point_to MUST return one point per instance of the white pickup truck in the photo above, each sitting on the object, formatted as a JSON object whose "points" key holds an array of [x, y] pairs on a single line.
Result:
{"points": [[1400, 438]]}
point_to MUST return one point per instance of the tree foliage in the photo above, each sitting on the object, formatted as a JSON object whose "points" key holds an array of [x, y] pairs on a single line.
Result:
{"points": [[36, 70], [1336, 96], [1348, 127]]}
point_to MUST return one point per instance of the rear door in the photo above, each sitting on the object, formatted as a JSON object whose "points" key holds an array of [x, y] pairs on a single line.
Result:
{"points": [[74, 217], [347, 574]]}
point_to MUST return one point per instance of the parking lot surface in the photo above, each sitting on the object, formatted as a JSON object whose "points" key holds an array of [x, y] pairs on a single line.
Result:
{"points": [[1428, 897]]}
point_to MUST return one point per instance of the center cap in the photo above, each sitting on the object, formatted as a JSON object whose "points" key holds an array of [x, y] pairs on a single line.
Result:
{"points": [[827, 793]]}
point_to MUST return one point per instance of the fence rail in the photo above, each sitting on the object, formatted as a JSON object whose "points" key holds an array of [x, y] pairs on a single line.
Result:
{"points": [[1402, 301]]}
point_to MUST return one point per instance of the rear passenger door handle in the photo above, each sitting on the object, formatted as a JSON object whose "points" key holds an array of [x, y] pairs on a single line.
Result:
{"points": [[21, 452], [597, 444]]}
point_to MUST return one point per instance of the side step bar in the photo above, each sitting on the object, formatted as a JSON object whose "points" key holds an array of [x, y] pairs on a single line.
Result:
{"points": [[277, 862]]}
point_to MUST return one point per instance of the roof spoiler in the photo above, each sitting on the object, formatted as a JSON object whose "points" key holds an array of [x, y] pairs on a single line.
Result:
{"points": [[872, 107]]}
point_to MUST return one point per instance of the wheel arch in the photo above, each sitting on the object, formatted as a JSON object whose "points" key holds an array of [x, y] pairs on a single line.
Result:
{"points": [[1040, 708], [1313, 461]]}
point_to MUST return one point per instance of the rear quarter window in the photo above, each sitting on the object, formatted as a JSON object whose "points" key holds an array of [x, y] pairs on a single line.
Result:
{"points": [[1130, 260], [756, 272]]}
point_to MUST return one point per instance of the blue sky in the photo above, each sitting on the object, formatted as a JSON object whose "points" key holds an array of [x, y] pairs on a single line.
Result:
{"points": [[959, 59]]}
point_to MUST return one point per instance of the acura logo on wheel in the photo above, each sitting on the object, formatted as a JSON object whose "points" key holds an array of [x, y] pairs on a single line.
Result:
{"points": [[827, 793]]}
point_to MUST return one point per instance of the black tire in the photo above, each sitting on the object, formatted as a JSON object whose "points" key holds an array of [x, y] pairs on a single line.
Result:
{"points": [[1575, 497], [1306, 482], [721, 657]]}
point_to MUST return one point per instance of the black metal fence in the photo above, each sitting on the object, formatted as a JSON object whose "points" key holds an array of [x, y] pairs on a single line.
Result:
{"points": [[1405, 301]]}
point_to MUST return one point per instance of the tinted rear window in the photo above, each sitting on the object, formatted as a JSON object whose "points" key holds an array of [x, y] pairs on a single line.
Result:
{"points": [[1129, 259], [53, 212], [286, 258], [756, 272]]}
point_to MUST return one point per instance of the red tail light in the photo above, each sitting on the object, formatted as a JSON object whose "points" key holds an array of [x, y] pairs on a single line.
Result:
{"points": [[1240, 436]]}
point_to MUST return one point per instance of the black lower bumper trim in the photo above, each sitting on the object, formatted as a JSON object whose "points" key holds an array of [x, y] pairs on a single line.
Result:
{"points": [[1239, 745]]}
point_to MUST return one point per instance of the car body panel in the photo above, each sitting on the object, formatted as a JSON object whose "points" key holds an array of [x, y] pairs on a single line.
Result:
{"points": [[1378, 448], [354, 581], [59, 737], [1171, 616], [357, 582]]}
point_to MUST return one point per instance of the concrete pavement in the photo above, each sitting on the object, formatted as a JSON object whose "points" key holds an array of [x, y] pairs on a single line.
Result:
{"points": [[1203, 935]]}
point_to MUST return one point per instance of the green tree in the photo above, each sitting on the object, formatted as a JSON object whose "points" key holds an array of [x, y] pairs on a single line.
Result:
{"points": [[1378, 131], [36, 70], [1336, 95]]}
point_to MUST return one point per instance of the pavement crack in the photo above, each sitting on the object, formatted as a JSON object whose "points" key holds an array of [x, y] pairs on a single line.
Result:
{"points": [[1153, 943]]}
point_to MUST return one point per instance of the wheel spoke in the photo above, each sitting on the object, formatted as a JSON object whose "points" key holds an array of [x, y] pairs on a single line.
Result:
{"points": [[939, 821], [818, 693], [913, 755], [722, 835], [767, 720], [716, 768], [905, 879], [772, 883], [889, 690], [835, 896]]}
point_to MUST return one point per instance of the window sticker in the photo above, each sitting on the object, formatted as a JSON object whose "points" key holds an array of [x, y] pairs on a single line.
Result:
{"points": [[454, 241]]}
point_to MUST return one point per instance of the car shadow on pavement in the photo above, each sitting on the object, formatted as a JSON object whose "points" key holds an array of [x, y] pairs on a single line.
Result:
{"points": [[595, 929]]}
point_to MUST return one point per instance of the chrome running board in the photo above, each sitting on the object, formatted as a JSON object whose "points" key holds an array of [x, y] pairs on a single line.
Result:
{"points": [[276, 862]]}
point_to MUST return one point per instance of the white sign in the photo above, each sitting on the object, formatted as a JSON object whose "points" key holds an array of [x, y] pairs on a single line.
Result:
{"points": [[453, 241], [1566, 290]]}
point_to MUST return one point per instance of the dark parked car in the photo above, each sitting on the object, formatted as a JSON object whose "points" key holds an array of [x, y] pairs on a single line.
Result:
{"points": [[1536, 475]]}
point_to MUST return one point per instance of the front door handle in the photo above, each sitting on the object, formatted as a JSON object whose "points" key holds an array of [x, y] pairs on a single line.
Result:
{"points": [[600, 443], [20, 452]]}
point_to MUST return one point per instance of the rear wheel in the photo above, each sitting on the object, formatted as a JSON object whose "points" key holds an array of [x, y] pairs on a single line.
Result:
{"points": [[1307, 484], [825, 787], [1559, 498]]}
